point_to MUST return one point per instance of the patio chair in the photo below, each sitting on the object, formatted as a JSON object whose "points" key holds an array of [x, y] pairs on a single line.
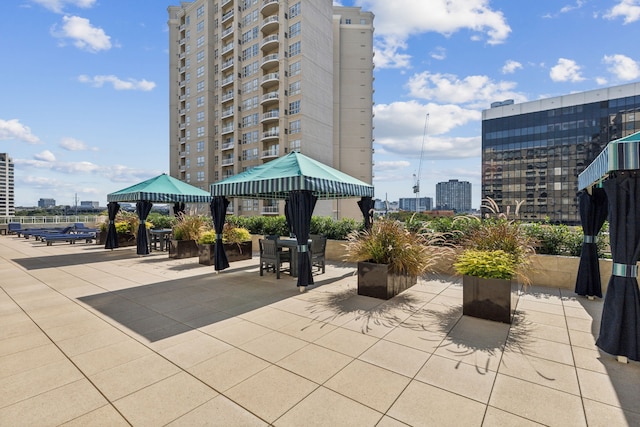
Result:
{"points": [[271, 256], [14, 228], [318, 249]]}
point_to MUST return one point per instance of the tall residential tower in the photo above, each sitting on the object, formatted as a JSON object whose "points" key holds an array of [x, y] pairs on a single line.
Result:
{"points": [[7, 204], [252, 80], [454, 195]]}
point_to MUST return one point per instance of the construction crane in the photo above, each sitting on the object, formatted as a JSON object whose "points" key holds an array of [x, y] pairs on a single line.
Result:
{"points": [[416, 182]]}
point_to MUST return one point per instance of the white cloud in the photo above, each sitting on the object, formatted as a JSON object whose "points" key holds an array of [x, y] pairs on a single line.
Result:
{"points": [[628, 9], [58, 5], [510, 67], [570, 7], [13, 129], [602, 81], [395, 25], [566, 70], [623, 67], [117, 83], [475, 91], [45, 156], [439, 53], [391, 165], [83, 34], [72, 144]]}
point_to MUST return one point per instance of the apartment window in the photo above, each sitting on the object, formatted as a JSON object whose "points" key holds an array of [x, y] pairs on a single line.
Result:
{"points": [[187, 148], [187, 163], [250, 154], [200, 176], [250, 52], [200, 41], [200, 146], [249, 137], [294, 69], [250, 103], [200, 161], [188, 177], [200, 11], [294, 10], [294, 30], [363, 22], [294, 49], [250, 69], [200, 86], [200, 116], [188, 63], [199, 71], [188, 49], [250, 120], [249, 35], [347, 21], [200, 56], [294, 127], [200, 101], [294, 145], [294, 88], [200, 26], [294, 107], [249, 205], [200, 131]]}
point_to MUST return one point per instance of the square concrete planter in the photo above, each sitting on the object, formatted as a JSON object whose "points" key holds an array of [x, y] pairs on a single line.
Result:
{"points": [[374, 280], [490, 299]]}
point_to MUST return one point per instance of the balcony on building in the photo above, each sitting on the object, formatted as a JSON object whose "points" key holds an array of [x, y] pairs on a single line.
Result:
{"points": [[182, 97], [270, 61], [227, 96], [227, 16], [227, 80], [270, 80], [227, 129], [182, 41], [227, 161], [273, 133], [226, 64], [225, 2], [270, 98], [183, 125], [272, 115], [182, 139], [182, 55], [182, 83], [270, 210], [182, 69], [226, 48], [228, 174], [269, 24], [269, 41], [183, 154], [228, 144], [271, 152], [182, 111], [226, 33], [269, 7], [227, 112]]}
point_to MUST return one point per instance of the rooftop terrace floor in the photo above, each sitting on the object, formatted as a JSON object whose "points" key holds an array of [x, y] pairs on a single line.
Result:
{"points": [[96, 337]]}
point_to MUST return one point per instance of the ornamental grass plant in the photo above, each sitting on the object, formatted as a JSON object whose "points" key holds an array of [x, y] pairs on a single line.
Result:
{"points": [[190, 227]]}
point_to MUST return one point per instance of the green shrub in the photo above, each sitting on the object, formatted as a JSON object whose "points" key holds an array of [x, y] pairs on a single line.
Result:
{"points": [[160, 220], [488, 264]]}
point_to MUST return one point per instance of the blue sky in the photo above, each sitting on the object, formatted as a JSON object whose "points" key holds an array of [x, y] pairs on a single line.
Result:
{"points": [[84, 104]]}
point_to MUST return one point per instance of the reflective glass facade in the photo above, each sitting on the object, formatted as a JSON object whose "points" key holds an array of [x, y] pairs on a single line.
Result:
{"points": [[536, 156]]}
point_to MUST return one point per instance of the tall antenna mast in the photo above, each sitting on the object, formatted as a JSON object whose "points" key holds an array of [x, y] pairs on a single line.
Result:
{"points": [[416, 186]]}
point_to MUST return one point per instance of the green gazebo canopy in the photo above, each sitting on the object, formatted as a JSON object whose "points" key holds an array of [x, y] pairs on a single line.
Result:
{"points": [[161, 189]]}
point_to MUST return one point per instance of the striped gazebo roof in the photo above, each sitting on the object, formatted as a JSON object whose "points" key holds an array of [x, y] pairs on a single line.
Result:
{"points": [[295, 171], [161, 189], [621, 154]]}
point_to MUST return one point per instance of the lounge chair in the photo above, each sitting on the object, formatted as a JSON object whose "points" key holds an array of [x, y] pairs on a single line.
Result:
{"points": [[67, 237], [37, 233], [14, 228]]}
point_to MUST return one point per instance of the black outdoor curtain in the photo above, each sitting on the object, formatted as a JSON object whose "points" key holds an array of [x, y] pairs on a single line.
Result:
{"points": [[218, 212], [620, 326], [366, 207], [288, 215], [302, 203], [111, 240], [593, 213], [142, 209], [178, 209]]}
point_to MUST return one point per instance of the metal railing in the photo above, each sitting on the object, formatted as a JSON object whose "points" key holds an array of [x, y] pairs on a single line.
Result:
{"points": [[52, 219]]}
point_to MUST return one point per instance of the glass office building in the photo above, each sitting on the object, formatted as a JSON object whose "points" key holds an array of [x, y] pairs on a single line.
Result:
{"points": [[533, 152]]}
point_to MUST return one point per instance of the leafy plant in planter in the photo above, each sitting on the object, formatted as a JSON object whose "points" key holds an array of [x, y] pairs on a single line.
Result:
{"points": [[186, 231], [126, 224], [236, 240], [390, 257]]}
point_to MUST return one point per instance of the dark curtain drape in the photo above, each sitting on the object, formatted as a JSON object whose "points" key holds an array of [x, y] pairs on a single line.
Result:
{"points": [[593, 213], [288, 215], [366, 207], [111, 240], [620, 326], [178, 209], [218, 212], [142, 209], [302, 203]]}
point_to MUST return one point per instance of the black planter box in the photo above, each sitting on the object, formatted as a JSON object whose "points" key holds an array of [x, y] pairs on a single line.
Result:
{"points": [[234, 251], [490, 299], [179, 249], [374, 280], [123, 239]]}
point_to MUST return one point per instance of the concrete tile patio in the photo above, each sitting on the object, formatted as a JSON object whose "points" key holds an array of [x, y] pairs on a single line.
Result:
{"points": [[95, 337]]}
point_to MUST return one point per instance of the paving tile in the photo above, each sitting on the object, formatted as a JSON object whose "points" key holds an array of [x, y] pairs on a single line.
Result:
{"points": [[542, 307], [55, 406], [219, 411], [537, 403], [602, 415], [110, 356], [271, 392], [415, 336], [195, 350], [307, 329], [346, 342], [363, 382], [583, 325], [426, 405], [390, 422], [545, 372], [583, 339], [23, 342], [398, 358], [547, 332], [458, 378], [315, 363], [532, 316], [545, 349], [105, 416], [273, 346], [91, 341], [580, 313], [498, 418], [228, 369], [484, 356], [239, 333], [32, 358], [620, 386], [165, 400], [17, 329], [327, 408]]}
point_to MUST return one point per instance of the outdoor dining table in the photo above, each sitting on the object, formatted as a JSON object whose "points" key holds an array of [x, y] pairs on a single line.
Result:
{"points": [[160, 236], [292, 245]]}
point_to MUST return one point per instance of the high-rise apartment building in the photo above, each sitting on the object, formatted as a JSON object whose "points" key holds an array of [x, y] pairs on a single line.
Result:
{"points": [[415, 204], [46, 203], [7, 204], [252, 80], [454, 195], [533, 152]]}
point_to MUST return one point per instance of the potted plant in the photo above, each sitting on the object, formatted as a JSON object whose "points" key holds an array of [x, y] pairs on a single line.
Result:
{"points": [[236, 240], [494, 261], [126, 224], [186, 231], [390, 257]]}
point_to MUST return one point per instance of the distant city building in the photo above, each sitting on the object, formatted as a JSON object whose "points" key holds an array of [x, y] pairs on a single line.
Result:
{"points": [[533, 152], [454, 195], [89, 205], [409, 204], [7, 204], [46, 203]]}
